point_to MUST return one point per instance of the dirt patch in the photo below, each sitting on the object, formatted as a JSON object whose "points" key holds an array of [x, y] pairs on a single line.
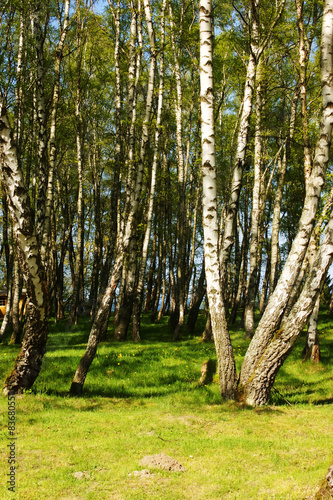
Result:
{"points": [[142, 473], [163, 462], [81, 475]]}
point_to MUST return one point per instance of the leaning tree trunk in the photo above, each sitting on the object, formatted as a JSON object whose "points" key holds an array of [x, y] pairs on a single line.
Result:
{"points": [[29, 360], [259, 387], [256, 357], [225, 357]]}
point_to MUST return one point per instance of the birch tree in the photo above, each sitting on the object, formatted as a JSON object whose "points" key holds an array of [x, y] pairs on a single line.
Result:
{"points": [[226, 363], [29, 360]]}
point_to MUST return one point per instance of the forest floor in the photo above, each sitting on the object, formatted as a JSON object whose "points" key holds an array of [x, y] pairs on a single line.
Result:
{"points": [[144, 400]]}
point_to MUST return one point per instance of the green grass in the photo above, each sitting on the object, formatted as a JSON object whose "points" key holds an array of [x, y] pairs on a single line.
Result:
{"points": [[145, 399]]}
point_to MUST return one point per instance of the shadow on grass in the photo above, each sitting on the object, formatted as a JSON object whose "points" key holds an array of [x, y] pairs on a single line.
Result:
{"points": [[158, 367]]}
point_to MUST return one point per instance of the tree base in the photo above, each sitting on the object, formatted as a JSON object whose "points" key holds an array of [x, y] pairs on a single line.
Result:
{"points": [[76, 389]]}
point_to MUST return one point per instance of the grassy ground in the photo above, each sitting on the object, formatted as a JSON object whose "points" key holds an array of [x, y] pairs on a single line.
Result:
{"points": [[145, 399]]}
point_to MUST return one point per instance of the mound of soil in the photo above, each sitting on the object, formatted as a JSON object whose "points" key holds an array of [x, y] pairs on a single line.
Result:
{"points": [[163, 462]]}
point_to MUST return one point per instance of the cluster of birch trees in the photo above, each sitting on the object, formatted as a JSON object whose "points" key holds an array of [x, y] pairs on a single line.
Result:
{"points": [[151, 165]]}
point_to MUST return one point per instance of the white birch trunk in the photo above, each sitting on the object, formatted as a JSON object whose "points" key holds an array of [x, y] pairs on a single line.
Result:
{"points": [[278, 198], [29, 360], [52, 139], [41, 120], [131, 261], [226, 363], [276, 352]]}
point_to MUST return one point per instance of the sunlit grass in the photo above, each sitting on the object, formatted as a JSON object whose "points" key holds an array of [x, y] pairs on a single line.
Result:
{"points": [[142, 399]]}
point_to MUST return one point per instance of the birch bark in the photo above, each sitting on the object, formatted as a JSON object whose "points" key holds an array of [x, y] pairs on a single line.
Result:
{"points": [[225, 358], [29, 360], [257, 47], [52, 139], [41, 120], [278, 197], [276, 352], [179, 291], [74, 311]]}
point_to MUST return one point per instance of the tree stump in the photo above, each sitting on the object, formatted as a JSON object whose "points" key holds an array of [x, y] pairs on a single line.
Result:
{"points": [[208, 370]]}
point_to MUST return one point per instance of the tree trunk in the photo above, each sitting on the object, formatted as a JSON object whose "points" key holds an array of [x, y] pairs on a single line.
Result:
{"points": [[197, 299], [312, 350], [16, 332], [137, 304], [74, 311], [259, 386], [252, 283], [29, 360], [179, 290], [242, 139], [41, 119], [131, 264], [225, 358], [45, 248]]}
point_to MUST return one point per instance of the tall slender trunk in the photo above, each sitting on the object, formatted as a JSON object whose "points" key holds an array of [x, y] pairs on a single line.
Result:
{"points": [[98, 241], [255, 214], [181, 180], [16, 332], [74, 311], [197, 299], [9, 267], [278, 197], [138, 293], [41, 120], [242, 139], [304, 46], [225, 358], [312, 350], [52, 139], [257, 47]]}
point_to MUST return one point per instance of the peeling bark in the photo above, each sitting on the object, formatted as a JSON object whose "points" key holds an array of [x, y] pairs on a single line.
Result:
{"points": [[29, 360], [225, 358]]}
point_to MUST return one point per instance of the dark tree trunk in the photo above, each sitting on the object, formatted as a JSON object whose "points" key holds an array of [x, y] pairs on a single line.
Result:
{"points": [[198, 297]]}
